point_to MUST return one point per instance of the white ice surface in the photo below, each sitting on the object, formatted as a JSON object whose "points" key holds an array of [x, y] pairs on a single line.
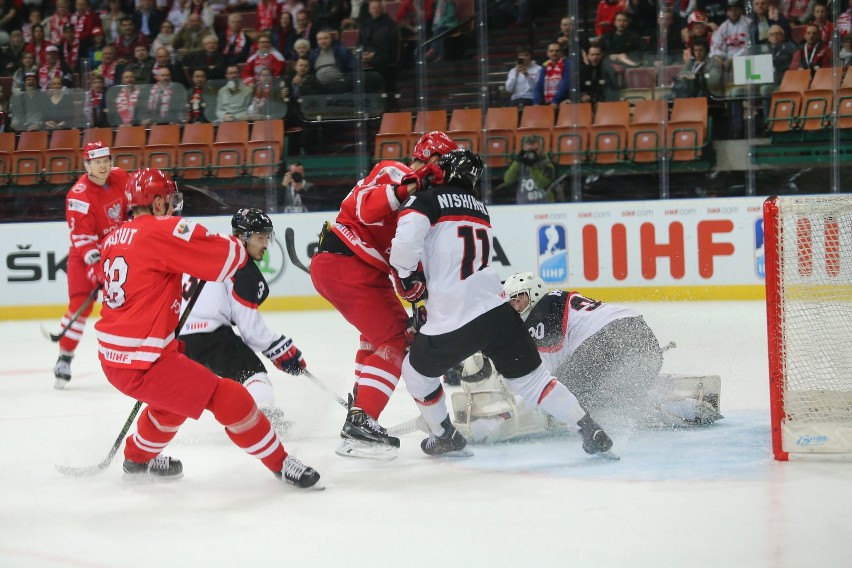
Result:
{"points": [[709, 497]]}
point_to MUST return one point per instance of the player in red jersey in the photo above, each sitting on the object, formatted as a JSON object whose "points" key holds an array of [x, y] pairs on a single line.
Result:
{"points": [[94, 207], [143, 262], [351, 271]]}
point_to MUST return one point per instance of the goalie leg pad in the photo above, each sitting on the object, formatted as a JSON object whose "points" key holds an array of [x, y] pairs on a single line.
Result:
{"points": [[688, 400]]}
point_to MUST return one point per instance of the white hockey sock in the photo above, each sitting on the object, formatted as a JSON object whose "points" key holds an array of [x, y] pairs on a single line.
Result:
{"points": [[260, 389], [434, 412], [561, 403]]}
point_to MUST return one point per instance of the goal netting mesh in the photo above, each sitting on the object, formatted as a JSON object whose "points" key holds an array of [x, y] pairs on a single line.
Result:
{"points": [[809, 313]]}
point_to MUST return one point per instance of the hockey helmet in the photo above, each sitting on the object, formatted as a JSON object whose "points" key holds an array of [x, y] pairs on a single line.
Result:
{"points": [[461, 168], [250, 220], [525, 283], [146, 184], [435, 143], [94, 150]]}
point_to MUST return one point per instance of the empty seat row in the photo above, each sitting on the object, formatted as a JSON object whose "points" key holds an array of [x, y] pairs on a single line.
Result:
{"points": [[576, 134], [190, 152], [802, 103]]}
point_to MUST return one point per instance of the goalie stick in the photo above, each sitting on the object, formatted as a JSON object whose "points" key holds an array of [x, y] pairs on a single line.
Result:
{"points": [[96, 469], [54, 337], [290, 242]]}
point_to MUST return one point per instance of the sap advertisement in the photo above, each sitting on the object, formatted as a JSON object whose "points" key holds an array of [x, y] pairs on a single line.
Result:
{"points": [[641, 250]]}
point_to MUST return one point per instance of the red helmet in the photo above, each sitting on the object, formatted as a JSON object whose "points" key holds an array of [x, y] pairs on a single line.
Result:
{"points": [[94, 150], [433, 143], [146, 184]]}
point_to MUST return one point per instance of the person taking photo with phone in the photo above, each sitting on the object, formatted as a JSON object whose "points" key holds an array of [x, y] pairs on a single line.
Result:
{"points": [[522, 78]]}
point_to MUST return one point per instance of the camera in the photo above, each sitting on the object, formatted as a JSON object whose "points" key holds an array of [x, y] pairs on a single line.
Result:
{"points": [[297, 177], [521, 61]]}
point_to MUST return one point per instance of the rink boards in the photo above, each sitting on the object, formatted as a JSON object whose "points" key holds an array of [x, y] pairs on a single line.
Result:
{"points": [[697, 249]]}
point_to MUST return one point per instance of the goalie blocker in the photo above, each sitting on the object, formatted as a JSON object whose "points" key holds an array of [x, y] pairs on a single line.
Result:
{"points": [[485, 411]]}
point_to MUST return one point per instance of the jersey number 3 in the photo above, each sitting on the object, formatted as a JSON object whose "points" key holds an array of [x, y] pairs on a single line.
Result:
{"points": [[471, 241]]}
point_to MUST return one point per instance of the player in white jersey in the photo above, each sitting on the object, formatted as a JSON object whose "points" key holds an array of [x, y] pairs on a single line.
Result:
{"points": [[208, 333], [443, 243]]}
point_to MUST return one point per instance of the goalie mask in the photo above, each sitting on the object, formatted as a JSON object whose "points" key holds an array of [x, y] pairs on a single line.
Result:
{"points": [[248, 221], [462, 168], [525, 283], [146, 184]]}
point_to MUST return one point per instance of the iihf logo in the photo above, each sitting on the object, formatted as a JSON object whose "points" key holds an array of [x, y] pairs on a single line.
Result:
{"points": [[759, 258], [552, 253]]}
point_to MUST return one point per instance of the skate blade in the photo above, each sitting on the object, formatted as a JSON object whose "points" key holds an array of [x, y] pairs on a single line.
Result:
{"points": [[608, 455], [455, 454], [366, 450], [148, 478], [59, 384]]}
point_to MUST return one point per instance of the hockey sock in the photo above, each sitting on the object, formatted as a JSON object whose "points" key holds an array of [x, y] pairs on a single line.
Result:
{"points": [[246, 426], [365, 349], [68, 342], [154, 430], [433, 409], [557, 401], [378, 379], [260, 389]]}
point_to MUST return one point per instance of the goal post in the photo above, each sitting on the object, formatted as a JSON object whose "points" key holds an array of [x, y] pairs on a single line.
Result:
{"points": [[808, 259]]}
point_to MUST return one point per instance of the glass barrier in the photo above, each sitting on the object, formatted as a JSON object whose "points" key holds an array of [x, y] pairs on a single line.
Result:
{"points": [[54, 109]]}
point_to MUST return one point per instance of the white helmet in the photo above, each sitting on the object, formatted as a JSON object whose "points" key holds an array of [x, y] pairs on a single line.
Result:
{"points": [[525, 283]]}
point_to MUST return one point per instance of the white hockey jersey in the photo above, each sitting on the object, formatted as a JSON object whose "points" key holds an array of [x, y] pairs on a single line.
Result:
{"points": [[561, 321], [232, 302], [449, 231]]}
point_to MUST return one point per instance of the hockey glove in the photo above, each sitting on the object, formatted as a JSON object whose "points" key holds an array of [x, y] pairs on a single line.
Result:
{"points": [[286, 356], [415, 322], [421, 178], [412, 288], [95, 273]]}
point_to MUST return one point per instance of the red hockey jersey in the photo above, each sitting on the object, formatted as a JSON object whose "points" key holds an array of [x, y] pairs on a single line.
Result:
{"points": [[144, 261], [93, 211], [367, 218]]}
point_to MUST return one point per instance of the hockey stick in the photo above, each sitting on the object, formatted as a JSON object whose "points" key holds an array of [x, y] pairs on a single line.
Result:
{"points": [[54, 337], [96, 469], [289, 241], [324, 387]]}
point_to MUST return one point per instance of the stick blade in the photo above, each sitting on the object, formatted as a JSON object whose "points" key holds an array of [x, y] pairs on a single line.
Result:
{"points": [[54, 337], [83, 471]]}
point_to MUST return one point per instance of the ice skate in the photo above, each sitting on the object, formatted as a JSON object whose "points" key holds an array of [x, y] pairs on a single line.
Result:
{"points": [[161, 468], [450, 444], [298, 474], [595, 440], [363, 437], [62, 371]]}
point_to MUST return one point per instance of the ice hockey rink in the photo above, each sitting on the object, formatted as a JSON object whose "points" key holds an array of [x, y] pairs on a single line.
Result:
{"points": [[689, 497]]}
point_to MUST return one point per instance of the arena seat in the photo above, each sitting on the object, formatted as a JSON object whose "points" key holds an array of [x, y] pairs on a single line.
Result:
{"points": [[537, 120], [392, 138], [265, 147], [466, 128], [7, 149], [498, 144], [645, 135], [61, 156], [608, 133], [161, 149], [229, 149], [818, 100], [844, 102], [127, 151], [571, 133], [193, 154], [28, 159], [426, 121], [785, 103], [688, 128]]}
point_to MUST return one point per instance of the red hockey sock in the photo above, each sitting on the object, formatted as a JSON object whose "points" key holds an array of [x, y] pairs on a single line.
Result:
{"points": [[154, 430], [365, 349], [379, 377], [246, 426]]}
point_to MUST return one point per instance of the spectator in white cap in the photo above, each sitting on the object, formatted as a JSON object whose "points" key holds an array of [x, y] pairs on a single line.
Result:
{"points": [[53, 67]]}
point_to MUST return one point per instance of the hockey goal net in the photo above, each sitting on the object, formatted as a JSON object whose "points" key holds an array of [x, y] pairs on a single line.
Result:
{"points": [[808, 252]]}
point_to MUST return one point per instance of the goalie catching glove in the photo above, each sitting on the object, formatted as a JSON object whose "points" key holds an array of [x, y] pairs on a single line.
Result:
{"points": [[286, 356], [411, 288]]}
